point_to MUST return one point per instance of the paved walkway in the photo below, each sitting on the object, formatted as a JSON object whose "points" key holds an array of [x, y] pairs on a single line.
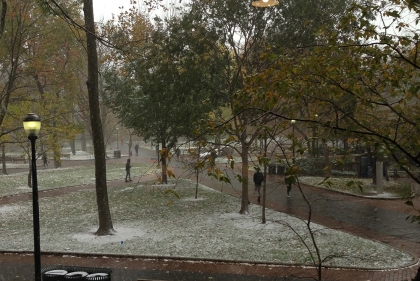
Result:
{"points": [[18, 266]]}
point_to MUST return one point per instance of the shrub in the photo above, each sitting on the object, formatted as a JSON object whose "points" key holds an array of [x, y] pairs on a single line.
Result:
{"points": [[311, 166]]}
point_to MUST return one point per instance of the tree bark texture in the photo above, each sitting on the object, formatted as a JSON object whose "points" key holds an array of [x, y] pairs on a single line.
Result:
{"points": [[105, 221], [245, 168], [164, 156]]}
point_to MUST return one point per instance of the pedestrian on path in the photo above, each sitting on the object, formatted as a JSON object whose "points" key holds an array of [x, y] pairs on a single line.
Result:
{"points": [[213, 156], [127, 170], [258, 180], [177, 153], [136, 148], [290, 178], [45, 159]]}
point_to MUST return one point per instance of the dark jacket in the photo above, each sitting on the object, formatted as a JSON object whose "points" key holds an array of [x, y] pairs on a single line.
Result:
{"points": [[258, 178]]}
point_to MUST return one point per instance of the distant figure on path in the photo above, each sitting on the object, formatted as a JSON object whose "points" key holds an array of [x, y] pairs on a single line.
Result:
{"points": [[288, 185], [127, 170], [258, 180], [45, 159], [213, 156], [136, 148], [289, 179], [177, 153]]}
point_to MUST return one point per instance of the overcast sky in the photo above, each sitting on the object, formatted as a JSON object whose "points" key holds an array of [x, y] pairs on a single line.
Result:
{"points": [[103, 9]]}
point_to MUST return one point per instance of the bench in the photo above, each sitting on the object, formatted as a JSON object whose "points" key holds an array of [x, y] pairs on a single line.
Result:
{"points": [[8, 159], [18, 159], [65, 155]]}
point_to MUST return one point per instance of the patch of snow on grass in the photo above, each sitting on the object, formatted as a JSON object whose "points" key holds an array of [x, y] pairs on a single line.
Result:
{"points": [[248, 222], [126, 189], [7, 209], [170, 185], [193, 199], [122, 235]]}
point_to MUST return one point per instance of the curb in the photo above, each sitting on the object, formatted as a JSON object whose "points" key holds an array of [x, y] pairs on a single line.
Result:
{"points": [[415, 262]]}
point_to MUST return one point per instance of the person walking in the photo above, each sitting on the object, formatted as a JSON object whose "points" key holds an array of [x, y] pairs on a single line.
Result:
{"points": [[45, 159], [288, 185], [177, 153], [258, 180], [136, 148], [127, 170], [213, 156], [290, 178]]}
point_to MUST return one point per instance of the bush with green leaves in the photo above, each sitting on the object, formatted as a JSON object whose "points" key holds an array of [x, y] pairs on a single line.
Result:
{"points": [[311, 166]]}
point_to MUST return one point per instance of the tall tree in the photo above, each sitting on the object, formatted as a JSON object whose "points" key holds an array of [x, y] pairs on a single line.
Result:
{"points": [[240, 34], [16, 20], [368, 80], [53, 67], [36, 74], [368, 75], [152, 94], [105, 221]]}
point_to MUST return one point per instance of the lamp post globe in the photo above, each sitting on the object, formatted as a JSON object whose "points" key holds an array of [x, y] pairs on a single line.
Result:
{"points": [[32, 126], [265, 3]]}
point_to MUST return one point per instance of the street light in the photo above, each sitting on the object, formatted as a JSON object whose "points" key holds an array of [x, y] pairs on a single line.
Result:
{"points": [[32, 125], [118, 146], [265, 3], [317, 136], [293, 134]]}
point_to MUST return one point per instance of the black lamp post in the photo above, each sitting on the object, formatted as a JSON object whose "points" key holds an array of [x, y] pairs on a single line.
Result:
{"points": [[32, 125], [118, 145], [293, 134]]}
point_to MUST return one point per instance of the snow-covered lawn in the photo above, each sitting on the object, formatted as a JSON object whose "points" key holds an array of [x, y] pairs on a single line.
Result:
{"points": [[364, 186], [57, 178], [151, 221]]}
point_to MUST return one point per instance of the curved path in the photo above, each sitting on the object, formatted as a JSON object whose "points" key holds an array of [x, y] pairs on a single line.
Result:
{"points": [[381, 220]]}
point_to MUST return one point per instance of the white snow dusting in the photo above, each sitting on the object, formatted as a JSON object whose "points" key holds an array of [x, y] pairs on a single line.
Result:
{"points": [[150, 221]]}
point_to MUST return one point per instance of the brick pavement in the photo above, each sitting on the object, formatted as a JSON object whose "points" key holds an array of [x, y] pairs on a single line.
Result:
{"points": [[342, 274], [19, 266]]}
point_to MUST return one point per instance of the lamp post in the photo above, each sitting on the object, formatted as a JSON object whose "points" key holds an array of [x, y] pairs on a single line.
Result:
{"points": [[317, 136], [118, 140], [293, 143], [32, 125]]}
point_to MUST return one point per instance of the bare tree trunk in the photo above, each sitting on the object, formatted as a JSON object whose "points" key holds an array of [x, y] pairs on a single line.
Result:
{"points": [[164, 157], [73, 146], [130, 144], [245, 168], [326, 154], [83, 140], [372, 163], [3, 159], [197, 172], [264, 183], [3, 16], [56, 149], [105, 221]]}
